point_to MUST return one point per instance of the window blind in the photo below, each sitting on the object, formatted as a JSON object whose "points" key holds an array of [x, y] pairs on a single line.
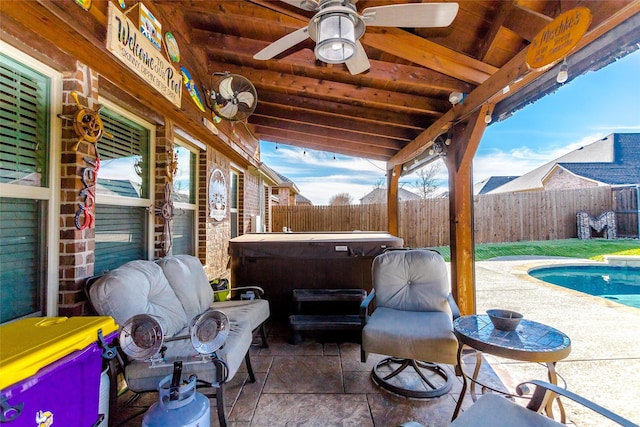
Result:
{"points": [[183, 232], [24, 124], [20, 257]]}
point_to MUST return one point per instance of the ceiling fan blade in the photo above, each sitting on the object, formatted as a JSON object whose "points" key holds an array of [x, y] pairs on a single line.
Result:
{"points": [[411, 15], [359, 62], [225, 88], [228, 111], [303, 4], [282, 44], [246, 98]]}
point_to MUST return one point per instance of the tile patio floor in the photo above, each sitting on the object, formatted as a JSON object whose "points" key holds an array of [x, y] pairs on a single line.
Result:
{"points": [[318, 383]]}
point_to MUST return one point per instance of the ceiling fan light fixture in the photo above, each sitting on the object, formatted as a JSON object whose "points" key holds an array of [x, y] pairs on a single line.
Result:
{"points": [[336, 35]]}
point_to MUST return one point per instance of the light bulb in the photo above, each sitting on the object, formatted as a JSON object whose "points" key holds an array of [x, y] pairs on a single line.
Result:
{"points": [[563, 73], [456, 97], [487, 117]]}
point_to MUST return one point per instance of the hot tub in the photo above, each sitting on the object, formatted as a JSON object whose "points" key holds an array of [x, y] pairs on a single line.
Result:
{"points": [[282, 262]]}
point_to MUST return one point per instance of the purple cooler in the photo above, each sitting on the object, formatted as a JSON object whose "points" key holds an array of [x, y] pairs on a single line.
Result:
{"points": [[50, 369]]}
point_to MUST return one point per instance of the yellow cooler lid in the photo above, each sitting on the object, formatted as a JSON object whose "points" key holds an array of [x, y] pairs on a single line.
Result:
{"points": [[28, 345]]}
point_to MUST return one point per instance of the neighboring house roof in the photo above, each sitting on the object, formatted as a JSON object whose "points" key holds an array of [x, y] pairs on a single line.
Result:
{"points": [[379, 195], [491, 183], [613, 160], [118, 187], [280, 181], [301, 200]]}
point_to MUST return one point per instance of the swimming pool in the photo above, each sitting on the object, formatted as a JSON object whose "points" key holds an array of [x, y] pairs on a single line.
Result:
{"points": [[615, 283]]}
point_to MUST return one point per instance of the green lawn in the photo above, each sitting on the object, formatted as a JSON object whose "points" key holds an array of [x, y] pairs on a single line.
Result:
{"points": [[574, 248]]}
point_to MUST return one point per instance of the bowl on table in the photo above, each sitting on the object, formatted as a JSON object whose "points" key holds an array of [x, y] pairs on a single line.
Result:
{"points": [[505, 320]]}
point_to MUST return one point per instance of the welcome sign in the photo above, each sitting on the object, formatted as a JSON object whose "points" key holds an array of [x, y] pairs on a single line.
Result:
{"points": [[132, 48]]}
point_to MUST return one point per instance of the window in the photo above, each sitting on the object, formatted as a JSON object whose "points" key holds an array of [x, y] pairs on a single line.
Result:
{"points": [[184, 200], [233, 204], [123, 190], [29, 101]]}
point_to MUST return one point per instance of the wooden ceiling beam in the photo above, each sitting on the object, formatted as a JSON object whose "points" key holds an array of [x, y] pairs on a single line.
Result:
{"points": [[315, 131], [322, 144], [313, 144], [486, 42], [431, 55], [349, 124], [334, 91], [525, 22], [410, 121]]}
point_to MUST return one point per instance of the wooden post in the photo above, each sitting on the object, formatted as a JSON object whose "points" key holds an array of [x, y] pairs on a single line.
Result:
{"points": [[466, 140], [393, 178]]}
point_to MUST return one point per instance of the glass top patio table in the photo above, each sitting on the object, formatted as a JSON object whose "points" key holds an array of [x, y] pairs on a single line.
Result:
{"points": [[530, 341]]}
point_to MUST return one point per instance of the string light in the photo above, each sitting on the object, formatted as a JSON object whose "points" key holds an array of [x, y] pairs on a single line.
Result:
{"points": [[487, 117], [563, 73]]}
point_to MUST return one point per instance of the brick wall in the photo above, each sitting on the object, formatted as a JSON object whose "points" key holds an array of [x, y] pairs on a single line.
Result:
{"points": [[561, 179], [251, 200], [213, 235], [76, 246], [164, 156], [267, 208]]}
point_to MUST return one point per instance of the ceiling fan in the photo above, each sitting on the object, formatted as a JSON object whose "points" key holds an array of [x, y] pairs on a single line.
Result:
{"points": [[337, 28]]}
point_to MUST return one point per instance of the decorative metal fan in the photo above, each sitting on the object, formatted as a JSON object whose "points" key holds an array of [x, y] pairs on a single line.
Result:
{"points": [[337, 27], [231, 96]]}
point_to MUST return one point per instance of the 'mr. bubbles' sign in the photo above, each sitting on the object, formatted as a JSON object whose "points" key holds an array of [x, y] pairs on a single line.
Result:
{"points": [[130, 46]]}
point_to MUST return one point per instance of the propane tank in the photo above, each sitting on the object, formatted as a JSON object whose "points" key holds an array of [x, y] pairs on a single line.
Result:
{"points": [[179, 404]]}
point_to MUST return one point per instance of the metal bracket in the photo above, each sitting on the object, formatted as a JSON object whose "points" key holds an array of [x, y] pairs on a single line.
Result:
{"points": [[108, 352]]}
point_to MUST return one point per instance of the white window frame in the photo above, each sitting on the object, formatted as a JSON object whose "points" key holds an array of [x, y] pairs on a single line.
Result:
{"points": [[233, 170], [191, 206], [50, 194], [107, 199]]}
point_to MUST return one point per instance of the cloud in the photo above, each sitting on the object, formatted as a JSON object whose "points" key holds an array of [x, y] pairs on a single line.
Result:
{"points": [[321, 175]]}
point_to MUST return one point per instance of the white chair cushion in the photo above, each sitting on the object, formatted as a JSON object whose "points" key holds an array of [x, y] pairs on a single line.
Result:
{"points": [[138, 287], [419, 335], [189, 282], [415, 280]]}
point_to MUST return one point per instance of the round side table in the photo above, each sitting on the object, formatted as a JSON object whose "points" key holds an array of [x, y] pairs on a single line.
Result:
{"points": [[530, 342]]}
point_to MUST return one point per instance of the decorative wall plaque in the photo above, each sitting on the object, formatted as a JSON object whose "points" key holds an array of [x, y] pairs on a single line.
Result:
{"points": [[217, 196]]}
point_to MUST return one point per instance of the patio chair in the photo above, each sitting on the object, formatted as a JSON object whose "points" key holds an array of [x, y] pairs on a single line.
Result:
{"points": [[497, 411], [411, 321]]}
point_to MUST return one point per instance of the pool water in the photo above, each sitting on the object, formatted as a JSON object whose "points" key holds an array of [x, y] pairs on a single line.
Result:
{"points": [[619, 284]]}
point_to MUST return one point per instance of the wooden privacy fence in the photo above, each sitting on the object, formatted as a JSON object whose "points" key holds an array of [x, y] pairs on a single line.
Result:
{"points": [[509, 217]]}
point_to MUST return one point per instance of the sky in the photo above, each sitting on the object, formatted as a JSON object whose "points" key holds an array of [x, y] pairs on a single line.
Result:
{"points": [[580, 112]]}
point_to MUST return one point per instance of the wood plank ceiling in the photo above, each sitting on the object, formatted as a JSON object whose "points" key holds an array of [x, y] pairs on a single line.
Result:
{"points": [[375, 114]]}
